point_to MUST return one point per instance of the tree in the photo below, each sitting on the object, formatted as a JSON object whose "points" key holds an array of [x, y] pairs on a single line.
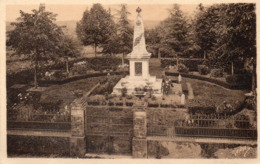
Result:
{"points": [[205, 20], [69, 48], [94, 27], [110, 46], [124, 32], [236, 26], [35, 34], [153, 40], [175, 32]]}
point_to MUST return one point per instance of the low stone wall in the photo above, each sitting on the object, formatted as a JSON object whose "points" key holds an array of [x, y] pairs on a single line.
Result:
{"points": [[38, 145]]}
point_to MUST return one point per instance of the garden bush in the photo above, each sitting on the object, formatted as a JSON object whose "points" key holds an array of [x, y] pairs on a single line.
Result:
{"points": [[242, 121], [203, 69], [192, 64], [240, 79], [228, 108], [182, 68], [216, 73], [250, 103]]}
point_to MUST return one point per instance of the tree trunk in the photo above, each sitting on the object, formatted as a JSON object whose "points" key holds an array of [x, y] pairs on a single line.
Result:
{"points": [[232, 68], [159, 54], [205, 54], [95, 50], [35, 70], [177, 61], [123, 58], [67, 65], [254, 78]]}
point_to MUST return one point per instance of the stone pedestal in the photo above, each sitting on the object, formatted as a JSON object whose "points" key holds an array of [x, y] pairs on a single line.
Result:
{"points": [[139, 144], [140, 124], [77, 146], [139, 148], [77, 139]]}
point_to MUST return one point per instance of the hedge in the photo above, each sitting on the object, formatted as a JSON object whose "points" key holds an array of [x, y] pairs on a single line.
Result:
{"points": [[192, 64], [245, 79], [79, 77], [27, 76], [215, 81]]}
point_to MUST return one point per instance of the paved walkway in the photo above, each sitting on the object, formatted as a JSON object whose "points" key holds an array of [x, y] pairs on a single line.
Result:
{"points": [[204, 140]]}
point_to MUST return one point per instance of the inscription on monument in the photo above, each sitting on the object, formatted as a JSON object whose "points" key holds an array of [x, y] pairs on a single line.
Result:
{"points": [[138, 68]]}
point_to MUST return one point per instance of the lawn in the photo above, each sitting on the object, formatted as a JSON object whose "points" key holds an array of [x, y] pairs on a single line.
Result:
{"points": [[210, 95], [66, 92]]}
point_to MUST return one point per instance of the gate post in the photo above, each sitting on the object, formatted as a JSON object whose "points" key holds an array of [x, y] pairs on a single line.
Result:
{"points": [[139, 142], [77, 139]]}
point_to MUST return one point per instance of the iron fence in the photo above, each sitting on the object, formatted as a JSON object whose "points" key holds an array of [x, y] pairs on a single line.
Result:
{"points": [[216, 133], [205, 125], [38, 117]]}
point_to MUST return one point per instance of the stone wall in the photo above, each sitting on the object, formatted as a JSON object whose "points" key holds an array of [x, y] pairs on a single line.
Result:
{"points": [[38, 145]]}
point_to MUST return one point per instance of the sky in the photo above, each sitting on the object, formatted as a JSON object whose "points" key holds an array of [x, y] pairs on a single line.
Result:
{"points": [[74, 12]]}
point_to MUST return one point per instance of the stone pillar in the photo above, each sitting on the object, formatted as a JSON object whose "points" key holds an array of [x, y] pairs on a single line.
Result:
{"points": [[139, 144], [77, 139]]}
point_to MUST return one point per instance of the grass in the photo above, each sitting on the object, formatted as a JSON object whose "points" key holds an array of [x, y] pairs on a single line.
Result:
{"points": [[65, 92], [208, 94]]}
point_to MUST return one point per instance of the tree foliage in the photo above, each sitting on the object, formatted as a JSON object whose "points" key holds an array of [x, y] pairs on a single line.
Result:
{"points": [[173, 32], [124, 32], [95, 26], [35, 34]]}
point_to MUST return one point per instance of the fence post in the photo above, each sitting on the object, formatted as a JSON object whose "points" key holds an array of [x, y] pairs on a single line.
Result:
{"points": [[77, 139], [139, 144]]}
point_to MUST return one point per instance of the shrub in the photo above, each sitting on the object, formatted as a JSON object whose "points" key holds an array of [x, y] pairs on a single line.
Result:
{"points": [[129, 97], [241, 79], [250, 103], [192, 64], [124, 91], [242, 121], [79, 68], [96, 98], [203, 69], [216, 73], [230, 107], [182, 68]]}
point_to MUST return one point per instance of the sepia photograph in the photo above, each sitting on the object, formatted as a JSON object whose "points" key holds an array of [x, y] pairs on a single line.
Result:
{"points": [[130, 80]]}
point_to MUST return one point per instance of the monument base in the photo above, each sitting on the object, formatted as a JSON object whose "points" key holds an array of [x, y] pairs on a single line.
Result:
{"points": [[150, 84]]}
